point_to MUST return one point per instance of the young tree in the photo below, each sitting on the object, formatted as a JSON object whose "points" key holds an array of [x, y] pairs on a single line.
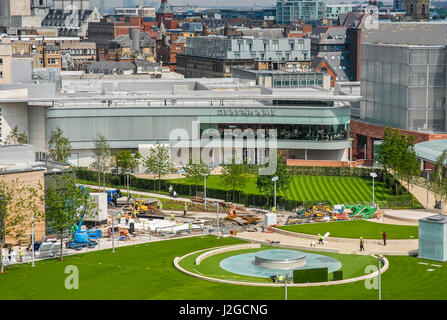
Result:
{"points": [[125, 161], [19, 202], [234, 175], [16, 137], [102, 158], [409, 168], [66, 204], [195, 171], [266, 185], [159, 162], [438, 181], [60, 146]]}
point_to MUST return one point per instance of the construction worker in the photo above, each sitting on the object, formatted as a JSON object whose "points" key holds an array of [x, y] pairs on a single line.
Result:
{"points": [[170, 190], [233, 211], [172, 216], [185, 210], [281, 278], [273, 209], [320, 239], [21, 253], [160, 205]]}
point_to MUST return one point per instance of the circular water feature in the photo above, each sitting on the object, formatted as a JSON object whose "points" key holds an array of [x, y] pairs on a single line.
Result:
{"points": [[272, 262], [280, 259]]}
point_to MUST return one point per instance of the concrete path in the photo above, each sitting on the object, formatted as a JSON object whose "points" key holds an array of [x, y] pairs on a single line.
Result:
{"points": [[372, 246], [146, 194]]}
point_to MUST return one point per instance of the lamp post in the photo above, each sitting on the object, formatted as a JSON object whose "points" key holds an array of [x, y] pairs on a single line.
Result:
{"points": [[32, 240], [128, 187], [113, 231], [428, 185], [204, 188], [274, 179], [217, 220], [373, 176], [381, 260]]}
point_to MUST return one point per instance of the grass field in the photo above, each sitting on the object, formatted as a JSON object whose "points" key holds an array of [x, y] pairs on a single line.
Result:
{"points": [[338, 190], [147, 272], [356, 229], [352, 265]]}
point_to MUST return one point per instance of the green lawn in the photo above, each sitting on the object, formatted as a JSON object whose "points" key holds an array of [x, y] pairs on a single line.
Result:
{"points": [[352, 265], [356, 229], [147, 272], [338, 190]]}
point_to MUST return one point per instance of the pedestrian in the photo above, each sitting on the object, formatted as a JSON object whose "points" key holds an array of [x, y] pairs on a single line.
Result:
{"points": [[312, 244], [10, 253], [160, 205], [384, 238], [362, 244], [320, 239], [170, 190], [21, 253]]}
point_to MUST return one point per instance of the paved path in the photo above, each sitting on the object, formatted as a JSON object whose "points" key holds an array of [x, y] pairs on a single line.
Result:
{"points": [[146, 194], [372, 247]]}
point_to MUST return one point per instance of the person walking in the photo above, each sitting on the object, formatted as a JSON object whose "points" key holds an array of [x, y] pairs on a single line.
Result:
{"points": [[362, 244], [21, 253], [185, 209], [10, 253], [320, 239], [384, 238], [170, 190]]}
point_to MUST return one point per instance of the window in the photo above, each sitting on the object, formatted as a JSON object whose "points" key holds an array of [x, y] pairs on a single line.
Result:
{"points": [[1, 74], [1, 61]]}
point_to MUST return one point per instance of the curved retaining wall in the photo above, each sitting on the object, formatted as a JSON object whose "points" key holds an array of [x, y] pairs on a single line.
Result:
{"points": [[342, 240], [236, 247], [259, 284]]}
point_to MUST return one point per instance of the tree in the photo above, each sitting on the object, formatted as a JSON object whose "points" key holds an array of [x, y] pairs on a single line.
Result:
{"points": [[18, 203], [126, 161], [159, 162], [234, 175], [195, 171], [60, 146], [266, 185], [66, 204], [438, 181], [102, 157], [16, 137], [397, 156]]}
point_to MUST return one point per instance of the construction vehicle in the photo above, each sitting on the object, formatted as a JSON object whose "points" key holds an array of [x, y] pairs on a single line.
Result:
{"points": [[112, 197], [85, 238]]}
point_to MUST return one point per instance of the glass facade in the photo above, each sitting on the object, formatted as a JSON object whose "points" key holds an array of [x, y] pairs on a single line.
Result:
{"points": [[288, 11], [299, 132], [293, 80], [404, 86]]}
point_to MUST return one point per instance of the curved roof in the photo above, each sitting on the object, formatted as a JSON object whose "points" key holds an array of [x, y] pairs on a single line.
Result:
{"points": [[430, 150]]}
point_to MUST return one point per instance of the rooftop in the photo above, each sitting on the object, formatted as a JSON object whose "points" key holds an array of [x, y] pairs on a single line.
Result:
{"points": [[430, 150]]}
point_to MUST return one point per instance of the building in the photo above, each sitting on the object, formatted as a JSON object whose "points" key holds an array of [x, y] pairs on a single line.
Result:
{"points": [[71, 23], [77, 56], [417, 10], [143, 11], [166, 15], [169, 45], [137, 46], [311, 123], [214, 57], [433, 238], [283, 78], [17, 163], [399, 5], [403, 84], [50, 56], [16, 14], [332, 11], [40, 8], [71, 5], [429, 151], [289, 11], [5, 63]]}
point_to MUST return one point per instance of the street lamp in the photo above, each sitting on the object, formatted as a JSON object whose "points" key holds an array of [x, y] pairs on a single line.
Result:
{"points": [[381, 260], [204, 187], [428, 184], [274, 179], [32, 240], [128, 190], [373, 175], [217, 220]]}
